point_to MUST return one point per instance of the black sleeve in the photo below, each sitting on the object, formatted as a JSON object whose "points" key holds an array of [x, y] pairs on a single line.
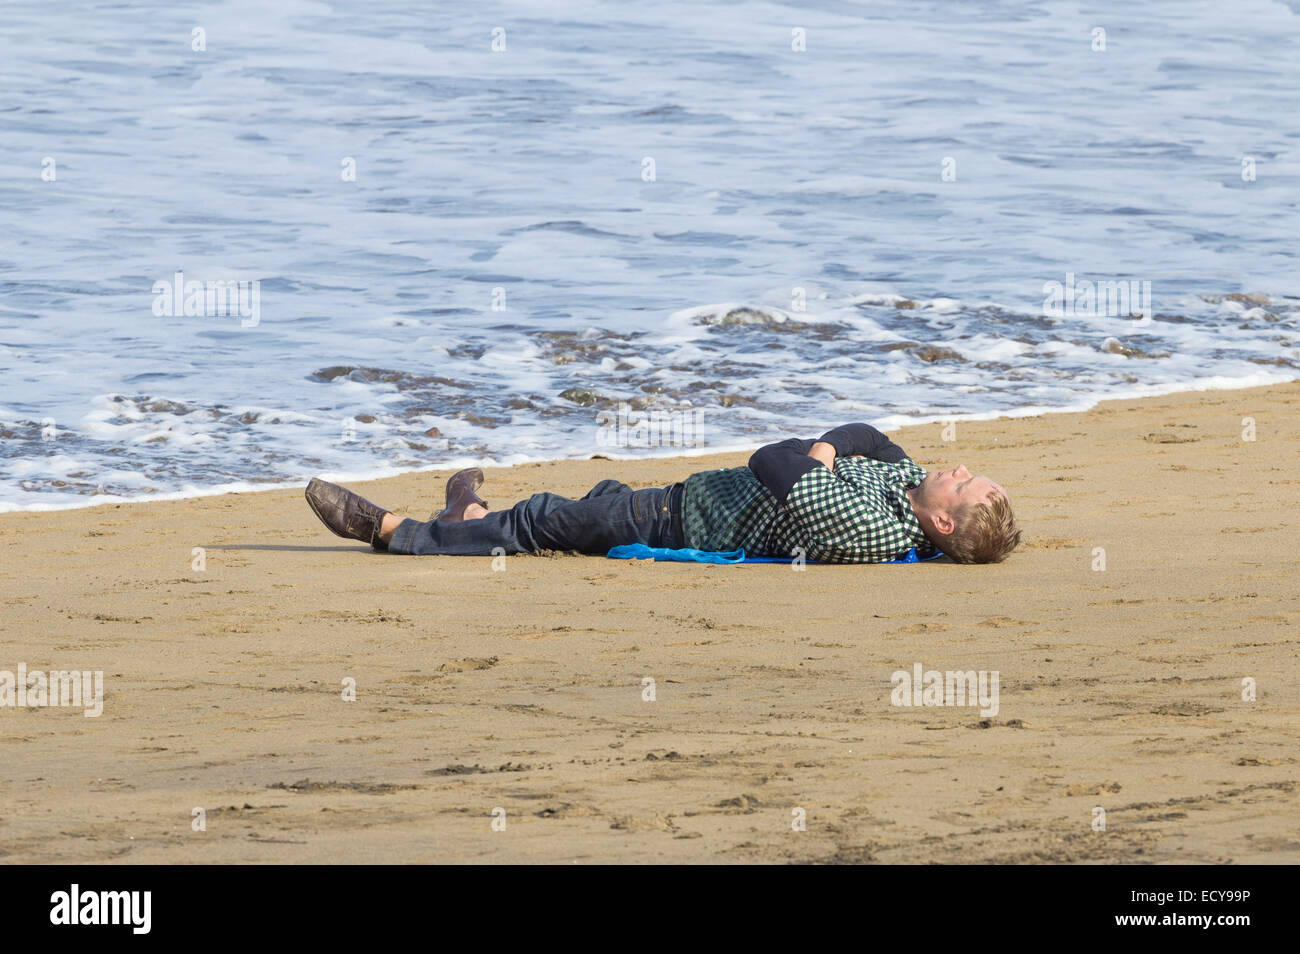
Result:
{"points": [[863, 439], [778, 467]]}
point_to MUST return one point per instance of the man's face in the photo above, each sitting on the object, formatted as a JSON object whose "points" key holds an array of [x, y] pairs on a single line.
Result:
{"points": [[942, 492]]}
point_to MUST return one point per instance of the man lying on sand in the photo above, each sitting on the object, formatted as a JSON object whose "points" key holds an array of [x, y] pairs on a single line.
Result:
{"points": [[852, 496]]}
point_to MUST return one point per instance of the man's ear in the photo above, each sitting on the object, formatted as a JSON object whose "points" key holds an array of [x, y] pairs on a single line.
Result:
{"points": [[942, 522]]}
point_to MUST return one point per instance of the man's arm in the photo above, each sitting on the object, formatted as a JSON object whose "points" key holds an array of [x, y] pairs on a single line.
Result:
{"points": [[779, 466], [862, 440]]}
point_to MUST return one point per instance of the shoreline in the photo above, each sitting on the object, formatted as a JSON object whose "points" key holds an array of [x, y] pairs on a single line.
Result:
{"points": [[891, 423], [1155, 583]]}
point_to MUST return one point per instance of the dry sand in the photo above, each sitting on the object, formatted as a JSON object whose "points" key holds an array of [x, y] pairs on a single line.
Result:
{"points": [[521, 689]]}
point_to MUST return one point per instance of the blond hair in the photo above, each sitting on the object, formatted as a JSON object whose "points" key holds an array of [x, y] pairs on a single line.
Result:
{"points": [[984, 532]]}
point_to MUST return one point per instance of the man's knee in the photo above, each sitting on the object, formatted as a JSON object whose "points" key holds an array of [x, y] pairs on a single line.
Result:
{"points": [[607, 487]]}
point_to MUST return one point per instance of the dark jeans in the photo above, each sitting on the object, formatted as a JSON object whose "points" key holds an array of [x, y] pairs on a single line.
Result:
{"points": [[612, 513]]}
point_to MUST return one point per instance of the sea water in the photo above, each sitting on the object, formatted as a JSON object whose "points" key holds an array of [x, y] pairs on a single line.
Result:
{"points": [[481, 232]]}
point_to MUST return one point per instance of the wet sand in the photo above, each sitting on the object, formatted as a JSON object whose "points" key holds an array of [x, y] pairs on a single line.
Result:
{"points": [[520, 688]]}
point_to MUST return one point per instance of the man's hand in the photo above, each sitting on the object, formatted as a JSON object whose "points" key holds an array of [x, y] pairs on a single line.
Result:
{"points": [[824, 453]]}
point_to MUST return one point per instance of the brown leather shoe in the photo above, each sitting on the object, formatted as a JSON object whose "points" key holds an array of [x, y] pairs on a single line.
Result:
{"points": [[460, 494], [345, 513]]}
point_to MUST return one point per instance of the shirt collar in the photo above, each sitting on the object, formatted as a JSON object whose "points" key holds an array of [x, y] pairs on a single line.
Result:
{"points": [[907, 516]]}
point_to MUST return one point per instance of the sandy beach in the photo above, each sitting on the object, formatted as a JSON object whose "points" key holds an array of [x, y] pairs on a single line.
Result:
{"points": [[517, 694]]}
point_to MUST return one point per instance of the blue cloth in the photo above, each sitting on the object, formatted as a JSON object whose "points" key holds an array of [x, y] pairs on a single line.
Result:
{"points": [[639, 551]]}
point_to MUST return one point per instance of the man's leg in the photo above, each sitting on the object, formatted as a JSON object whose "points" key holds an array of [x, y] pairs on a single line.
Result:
{"points": [[611, 514], [475, 511], [392, 521], [510, 531]]}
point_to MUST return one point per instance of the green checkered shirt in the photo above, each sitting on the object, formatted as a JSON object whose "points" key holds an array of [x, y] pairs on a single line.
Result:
{"points": [[858, 514]]}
